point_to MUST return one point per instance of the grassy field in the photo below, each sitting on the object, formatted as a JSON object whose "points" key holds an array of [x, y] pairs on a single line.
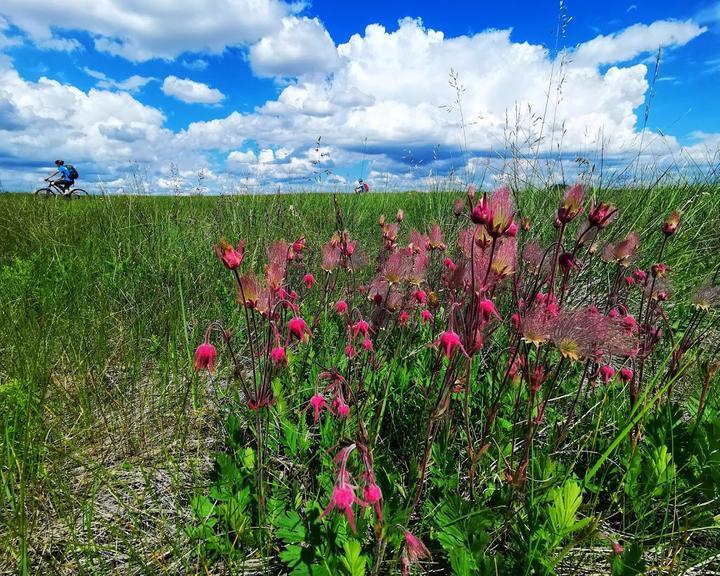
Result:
{"points": [[108, 435]]}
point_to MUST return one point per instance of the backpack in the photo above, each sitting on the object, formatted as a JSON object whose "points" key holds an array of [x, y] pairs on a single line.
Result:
{"points": [[71, 170]]}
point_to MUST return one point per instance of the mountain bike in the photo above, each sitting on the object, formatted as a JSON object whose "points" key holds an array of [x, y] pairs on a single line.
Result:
{"points": [[53, 189]]}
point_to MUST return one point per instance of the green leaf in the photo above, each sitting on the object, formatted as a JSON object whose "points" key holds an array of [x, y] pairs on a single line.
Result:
{"points": [[290, 527], [354, 561]]}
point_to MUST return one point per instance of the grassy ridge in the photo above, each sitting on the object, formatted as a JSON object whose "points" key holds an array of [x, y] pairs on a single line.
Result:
{"points": [[101, 299]]}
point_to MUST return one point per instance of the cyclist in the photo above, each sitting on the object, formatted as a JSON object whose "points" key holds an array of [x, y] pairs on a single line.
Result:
{"points": [[65, 181], [361, 187]]}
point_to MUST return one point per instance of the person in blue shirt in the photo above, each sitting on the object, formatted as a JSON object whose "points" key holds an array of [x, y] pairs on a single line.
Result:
{"points": [[65, 182]]}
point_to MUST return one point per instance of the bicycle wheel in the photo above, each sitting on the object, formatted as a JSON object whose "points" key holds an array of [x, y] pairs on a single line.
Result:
{"points": [[78, 193], [44, 192]]}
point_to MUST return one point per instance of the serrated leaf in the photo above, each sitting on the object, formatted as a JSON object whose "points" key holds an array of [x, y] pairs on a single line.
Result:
{"points": [[354, 561]]}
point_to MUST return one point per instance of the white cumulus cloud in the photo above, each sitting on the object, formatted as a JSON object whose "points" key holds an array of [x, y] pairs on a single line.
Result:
{"points": [[190, 91], [149, 30], [301, 47]]}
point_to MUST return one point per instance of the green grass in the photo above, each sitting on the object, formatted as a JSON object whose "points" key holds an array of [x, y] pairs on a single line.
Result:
{"points": [[106, 433]]}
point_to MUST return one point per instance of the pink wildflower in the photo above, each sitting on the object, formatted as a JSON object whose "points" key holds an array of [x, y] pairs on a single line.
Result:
{"points": [[487, 309], [309, 280], [278, 356], [606, 373], [360, 327], [229, 256], [572, 203], [318, 402], [449, 264], [343, 498], [435, 238], [400, 215], [205, 356], [367, 344], [415, 549], [343, 410], [350, 351], [420, 296], [515, 319], [426, 316], [601, 215], [671, 223], [299, 245], [448, 342], [481, 213], [341, 307], [403, 317], [626, 375], [298, 328]]}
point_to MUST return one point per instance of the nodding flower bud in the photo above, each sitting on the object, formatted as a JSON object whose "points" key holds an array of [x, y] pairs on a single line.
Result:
{"points": [[299, 245], [403, 317], [309, 280], [572, 203], [205, 357], [230, 257], [298, 328], [481, 213], [471, 191], [381, 220], [426, 316], [350, 351], [671, 223], [626, 375], [420, 296], [449, 264], [600, 215], [606, 373], [567, 261], [640, 275], [400, 215], [278, 356], [512, 230], [341, 307], [659, 270], [448, 342], [629, 280]]}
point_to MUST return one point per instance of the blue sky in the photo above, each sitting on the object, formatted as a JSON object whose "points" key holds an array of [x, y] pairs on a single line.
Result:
{"points": [[240, 91]]}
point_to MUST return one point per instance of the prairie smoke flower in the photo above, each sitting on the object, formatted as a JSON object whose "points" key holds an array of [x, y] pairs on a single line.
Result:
{"points": [[601, 215], [293, 295], [572, 203], [279, 253], [403, 317], [330, 257], [640, 275], [299, 245], [420, 296], [343, 498], [248, 292], [418, 242], [532, 255], [449, 264], [230, 257], [706, 297], [395, 268], [471, 191], [606, 373], [414, 551], [417, 271], [350, 351], [458, 206], [390, 232], [671, 223], [501, 212], [278, 356], [341, 307], [372, 493], [360, 327], [505, 260], [298, 328], [512, 230], [309, 280], [342, 409], [626, 375], [537, 377], [536, 326], [526, 223], [568, 262], [515, 319], [426, 316], [622, 252], [205, 356], [435, 241], [400, 215], [487, 309], [617, 549], [449, 341], [367, 344], [481, 213], [318, 403], [275, 275], [629, 280], [659, 270]]}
